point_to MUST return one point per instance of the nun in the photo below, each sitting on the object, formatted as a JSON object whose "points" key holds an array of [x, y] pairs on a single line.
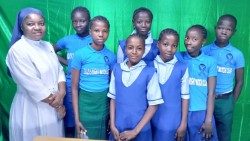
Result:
{"points": [[37, 107]]}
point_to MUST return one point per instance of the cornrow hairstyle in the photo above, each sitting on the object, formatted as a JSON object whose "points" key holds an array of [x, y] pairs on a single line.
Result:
{"points": [[80, 9], [99, 18], [228, 17], [136, 35], [168, 31], [142, 9], [201, 28]]}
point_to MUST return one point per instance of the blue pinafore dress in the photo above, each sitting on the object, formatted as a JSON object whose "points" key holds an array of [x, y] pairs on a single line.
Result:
{"points": [[167, 118], [131, 102]]}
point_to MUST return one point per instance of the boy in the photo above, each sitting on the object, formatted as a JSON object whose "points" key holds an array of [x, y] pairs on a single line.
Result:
{"points": [[230, 67]]}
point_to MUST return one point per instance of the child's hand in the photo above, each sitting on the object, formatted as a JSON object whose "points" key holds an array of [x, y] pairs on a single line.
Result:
{"points": [[79, 128], [180, 133], [115, 132], [206, 130], [128, 135]]}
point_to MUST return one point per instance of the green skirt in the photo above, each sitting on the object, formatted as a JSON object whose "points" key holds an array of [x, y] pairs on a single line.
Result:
{"points": [[94, 113]]}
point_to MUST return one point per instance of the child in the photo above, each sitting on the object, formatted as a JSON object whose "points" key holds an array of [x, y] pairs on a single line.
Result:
{"points": [[170, 120], [134, 93], [90, 70], [80, 20], [202, 79], [230, 68], [142, 21]]}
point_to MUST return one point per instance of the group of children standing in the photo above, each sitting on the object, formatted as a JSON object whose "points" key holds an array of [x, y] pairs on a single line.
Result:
{"points": [[153, 92]]}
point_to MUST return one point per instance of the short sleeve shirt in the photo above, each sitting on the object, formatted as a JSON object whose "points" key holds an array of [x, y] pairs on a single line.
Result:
{"points": [[72, 43], [94, 67], [200, 69], [228, 59]]}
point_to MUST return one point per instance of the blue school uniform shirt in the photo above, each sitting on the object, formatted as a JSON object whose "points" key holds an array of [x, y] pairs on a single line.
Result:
{"points": [[94, 67], [200, 68], [72, 43], [228, 59]]}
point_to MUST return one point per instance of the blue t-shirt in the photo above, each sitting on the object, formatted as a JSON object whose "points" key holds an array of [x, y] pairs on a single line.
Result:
{"points": [[94, 67], [228, 59], [200, 69], [72, 43]]}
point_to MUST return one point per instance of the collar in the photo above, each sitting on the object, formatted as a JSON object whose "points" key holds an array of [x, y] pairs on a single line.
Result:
{"points": [[149, 40], [187, 56], [97, 51], [32, 42], [82, 38], [125, 67], [171, 62], [228, 47]]}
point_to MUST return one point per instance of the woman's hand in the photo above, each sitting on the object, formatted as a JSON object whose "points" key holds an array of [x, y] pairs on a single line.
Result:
{"points": [[58, 99], [49, 99], [61, 112], [206, 130]]}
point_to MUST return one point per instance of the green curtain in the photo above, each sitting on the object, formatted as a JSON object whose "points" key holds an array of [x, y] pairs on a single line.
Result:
{"points": [[177, 14]]}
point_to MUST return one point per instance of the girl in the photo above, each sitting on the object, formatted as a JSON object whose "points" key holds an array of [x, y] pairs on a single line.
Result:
{"points": [[90, 71], [202, 73], [170, 120], [40, 80], [80, 17], [142, 21], [134, 93]]}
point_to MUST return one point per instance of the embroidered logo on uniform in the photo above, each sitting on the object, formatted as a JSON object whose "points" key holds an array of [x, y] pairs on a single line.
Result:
{"points": [[197, 82], [96, 71], [229, 57], [224, 70], [106, 59], [70, 56], [202, 68]]}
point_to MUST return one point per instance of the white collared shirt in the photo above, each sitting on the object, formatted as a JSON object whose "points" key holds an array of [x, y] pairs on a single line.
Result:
{"points": [[164, 70], [148, 42], [129, 75]]}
